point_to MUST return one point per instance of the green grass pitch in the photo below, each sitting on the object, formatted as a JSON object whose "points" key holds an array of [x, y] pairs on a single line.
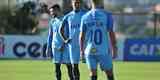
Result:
{"points": [[43, 70]]}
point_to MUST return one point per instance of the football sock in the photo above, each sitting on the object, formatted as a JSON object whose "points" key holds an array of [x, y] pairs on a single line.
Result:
{"points": [[93, 77], [58, 71], [70, 73], [110, 77], [76, 72]]}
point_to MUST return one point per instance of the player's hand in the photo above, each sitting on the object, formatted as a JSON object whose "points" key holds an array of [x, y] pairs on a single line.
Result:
{"points": [[67, 41], [61, 49], [114, 52], [48, 52]]}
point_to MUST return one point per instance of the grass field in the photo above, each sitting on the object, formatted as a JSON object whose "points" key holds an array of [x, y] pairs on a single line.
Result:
{"points": [[43, 70]]}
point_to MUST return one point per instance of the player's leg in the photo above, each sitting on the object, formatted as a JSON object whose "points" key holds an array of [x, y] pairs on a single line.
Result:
{"points": [[57, 61], [92, 65], [109, 74], [75, 67], [93, 74], [75, 59], [106, 65], [76, 72], [58, 71], [66, 60], [70, 73]]}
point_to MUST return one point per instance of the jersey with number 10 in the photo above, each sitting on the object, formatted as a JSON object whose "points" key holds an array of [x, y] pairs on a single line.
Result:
{"points": [[95, 25]]}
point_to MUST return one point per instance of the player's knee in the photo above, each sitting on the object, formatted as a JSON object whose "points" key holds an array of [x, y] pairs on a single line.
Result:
{"points": [[58, 69], [70, 74], [93, 73], [57, 66], [69, 67], [109, 72], [76, 71], [93, 77], [76, 67]]}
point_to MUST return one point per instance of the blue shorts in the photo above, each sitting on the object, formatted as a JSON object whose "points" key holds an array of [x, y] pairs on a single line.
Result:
{"points": [[61, 57], [74, 55], [104, 60]]}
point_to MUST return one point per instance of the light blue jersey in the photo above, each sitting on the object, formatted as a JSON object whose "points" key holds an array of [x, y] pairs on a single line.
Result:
{"points": [[54, 26], [96, 25], [72, 20], [56, 42]]}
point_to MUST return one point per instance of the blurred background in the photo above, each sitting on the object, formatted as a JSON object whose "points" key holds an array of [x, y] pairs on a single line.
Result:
{"points": [[24, 30], [131, 17], [20, 20]]}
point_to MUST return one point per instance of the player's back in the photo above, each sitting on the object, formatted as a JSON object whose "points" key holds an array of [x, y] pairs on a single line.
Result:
{"points": [[97, 22]]}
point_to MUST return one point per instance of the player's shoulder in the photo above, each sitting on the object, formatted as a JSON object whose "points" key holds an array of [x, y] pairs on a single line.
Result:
{"points": [[61, 18], [68, 15], [87, 14]]}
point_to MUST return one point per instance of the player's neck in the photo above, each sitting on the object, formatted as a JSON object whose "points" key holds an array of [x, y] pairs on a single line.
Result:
{"points": [[97, 6], [57, 16], [76, 10], [60, 15]]}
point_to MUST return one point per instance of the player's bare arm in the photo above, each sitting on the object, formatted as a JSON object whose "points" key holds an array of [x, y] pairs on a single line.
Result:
{"points": [[81, 40], [62, 47], [49, 42], [81, 43], [113, 43], [65, 39]]}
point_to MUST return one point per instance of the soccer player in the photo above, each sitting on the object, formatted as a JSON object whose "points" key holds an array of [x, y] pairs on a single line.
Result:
{"points": [[97, 30], [55, 43], [1, 46], [72, 21]]}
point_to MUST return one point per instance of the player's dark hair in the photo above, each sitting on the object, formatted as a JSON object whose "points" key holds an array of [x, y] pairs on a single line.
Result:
{"points": [[56, 6], [97, 1], [81, 1]]}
